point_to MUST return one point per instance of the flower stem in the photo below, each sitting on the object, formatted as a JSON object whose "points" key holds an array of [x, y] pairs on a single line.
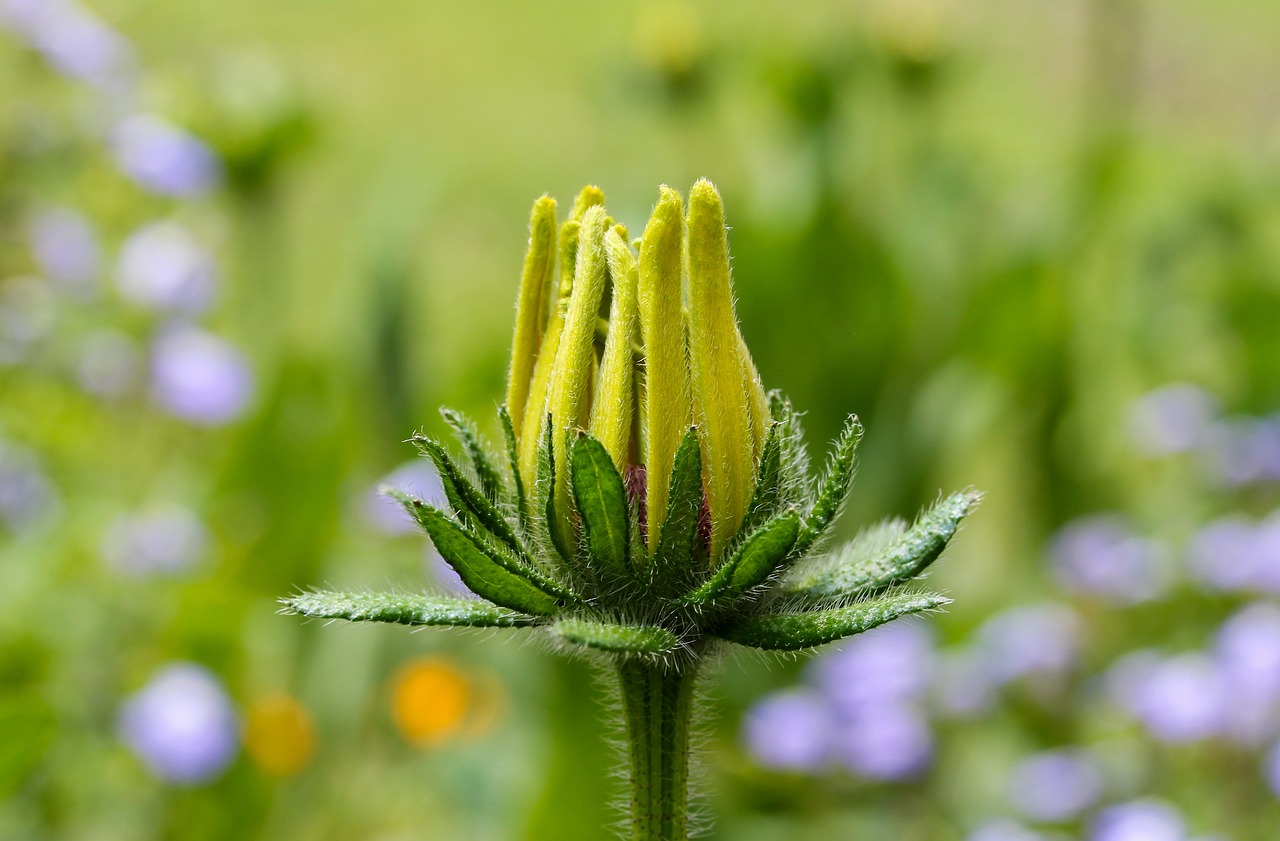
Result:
{"points": [[657, 702]]}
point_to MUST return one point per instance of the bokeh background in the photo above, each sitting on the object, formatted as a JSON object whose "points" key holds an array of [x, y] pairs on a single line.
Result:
{"points": [[247, 248]]}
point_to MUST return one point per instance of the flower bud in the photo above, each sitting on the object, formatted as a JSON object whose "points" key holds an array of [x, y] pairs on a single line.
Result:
{"points": [[669, 355]]}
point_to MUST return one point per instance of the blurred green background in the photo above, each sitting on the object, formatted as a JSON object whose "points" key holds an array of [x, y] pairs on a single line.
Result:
{"points": [[246, 249]]}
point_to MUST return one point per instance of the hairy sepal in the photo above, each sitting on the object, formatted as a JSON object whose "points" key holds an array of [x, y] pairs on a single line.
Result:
{"points": [[881, 557], [488, 573], [477, 453], [406, 609], [798, 630], [616, 638], [673, 557], [601, 501], [471, 506], [834, 488], [768, 493], [513, 466], [757, 558], [793, 475]]}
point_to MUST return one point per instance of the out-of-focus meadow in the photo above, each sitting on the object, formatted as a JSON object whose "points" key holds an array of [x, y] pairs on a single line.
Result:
{"points": [[247, 248]]}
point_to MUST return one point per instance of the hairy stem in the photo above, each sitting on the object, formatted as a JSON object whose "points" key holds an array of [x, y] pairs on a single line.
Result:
{"points": [[657, 702]]}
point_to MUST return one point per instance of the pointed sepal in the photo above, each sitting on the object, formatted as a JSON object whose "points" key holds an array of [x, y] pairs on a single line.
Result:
{"points": [[755, 560], [468, 503], [601, 500], [477, 453], [834, 488], [616, 638], [673, 555], [794, 631], [518, 497], [405, 609], [488, 573], [881, 557]]}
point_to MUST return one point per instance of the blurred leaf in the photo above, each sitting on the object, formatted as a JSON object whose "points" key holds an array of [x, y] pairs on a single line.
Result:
{"points": [[28, 725]]}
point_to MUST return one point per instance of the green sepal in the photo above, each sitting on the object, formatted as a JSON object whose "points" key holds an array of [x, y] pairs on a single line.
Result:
{"points": [[545, 500], [673, 557], [873, 562], [625, 639], [794, 631], [834, 488], [477, 453], [513, 464], [768, 492], [489, 574], [405, 609], [601, 500], [755, 560], [469, 504], [794, 454]]}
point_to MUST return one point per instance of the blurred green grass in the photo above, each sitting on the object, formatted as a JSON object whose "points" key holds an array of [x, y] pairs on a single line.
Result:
{"points": [[985, 228]]}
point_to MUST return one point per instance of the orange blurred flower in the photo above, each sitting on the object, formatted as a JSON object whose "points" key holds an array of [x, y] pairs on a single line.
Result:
{"points": [[279, 734], [430, 701]]}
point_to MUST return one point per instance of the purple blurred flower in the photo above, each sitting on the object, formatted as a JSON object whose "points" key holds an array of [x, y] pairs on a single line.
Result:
{"points": [[65, 246], [962, 684], [887, 741], [74, 40], [1234, 555], [1055, 786], [164, 267], [1224, 554], [384, 514], [166, 539], [110, 364], [1245, 450], [182, 725], [789, 731], [1139, 820], [1178, 699], [26, 496], [892, 663], [1247, 650], [1036, 639], [1247, 655], [1173, 419], [199, 377], [1101, 555], [1004, 830], [27, 315], [163, 158]]}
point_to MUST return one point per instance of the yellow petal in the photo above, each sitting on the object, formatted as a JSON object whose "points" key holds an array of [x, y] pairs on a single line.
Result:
{"points": [[666, 378], [613, 405], [575, 358], [531, 308], [718, 374]]}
